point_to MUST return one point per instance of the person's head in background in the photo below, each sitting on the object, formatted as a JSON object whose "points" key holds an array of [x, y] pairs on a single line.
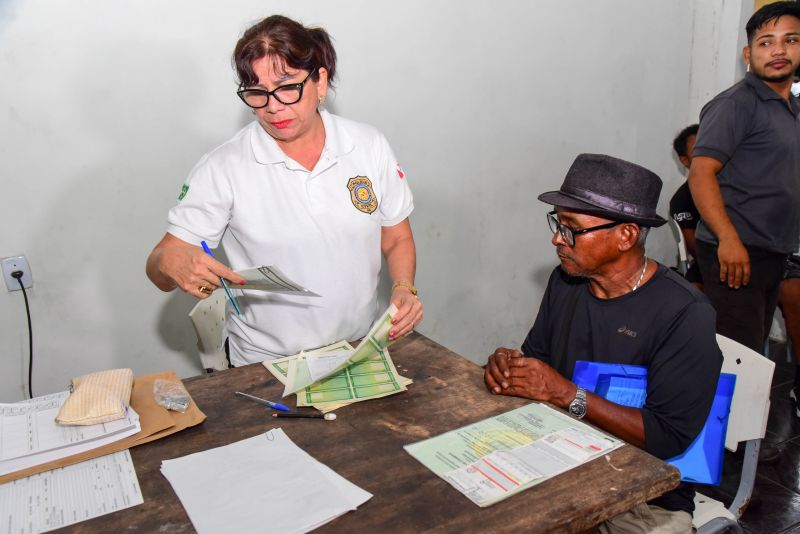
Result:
{"points": [[684, 144], [773, 42]]}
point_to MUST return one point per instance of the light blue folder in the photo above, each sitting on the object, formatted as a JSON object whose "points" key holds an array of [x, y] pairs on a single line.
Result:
{"points": [[623, 384]]}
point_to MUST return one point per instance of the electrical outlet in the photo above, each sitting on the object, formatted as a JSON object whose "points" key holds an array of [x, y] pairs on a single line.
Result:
{"points": [[17, 263]]}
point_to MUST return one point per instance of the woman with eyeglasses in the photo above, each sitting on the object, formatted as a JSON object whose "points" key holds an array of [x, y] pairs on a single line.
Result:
{"points": [[319, 196]]}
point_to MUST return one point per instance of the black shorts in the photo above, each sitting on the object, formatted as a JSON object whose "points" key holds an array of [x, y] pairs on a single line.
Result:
{"points": [[792, 268]]}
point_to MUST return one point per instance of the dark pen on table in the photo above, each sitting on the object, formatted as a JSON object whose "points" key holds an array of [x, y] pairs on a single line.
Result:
{"points": [[299, 415]]}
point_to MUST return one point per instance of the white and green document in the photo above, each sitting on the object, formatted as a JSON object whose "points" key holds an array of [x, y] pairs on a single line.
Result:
{"points": [[491, 460], [371, 378], [338, 374], [304, 371], [270, 278]]}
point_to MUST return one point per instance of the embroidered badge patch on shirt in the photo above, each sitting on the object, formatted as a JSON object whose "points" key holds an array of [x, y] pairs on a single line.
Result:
{"points": [[361, 194], [184, 190]]}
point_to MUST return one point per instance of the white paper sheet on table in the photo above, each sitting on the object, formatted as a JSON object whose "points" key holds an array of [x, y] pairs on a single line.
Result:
{"points": [[68, 495], [263, 483], [29, 434]]}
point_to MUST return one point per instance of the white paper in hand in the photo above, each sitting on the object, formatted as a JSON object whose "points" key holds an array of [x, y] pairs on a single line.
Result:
{"points": [[270, 278]]}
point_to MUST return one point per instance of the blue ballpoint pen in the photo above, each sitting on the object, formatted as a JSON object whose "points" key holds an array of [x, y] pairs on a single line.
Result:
{"points": [[273, 405], [224, 283]]}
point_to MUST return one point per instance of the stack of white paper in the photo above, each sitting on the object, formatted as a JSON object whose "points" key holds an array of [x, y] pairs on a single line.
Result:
{"points": [[262, 484], [68, 495], [29, 434]]}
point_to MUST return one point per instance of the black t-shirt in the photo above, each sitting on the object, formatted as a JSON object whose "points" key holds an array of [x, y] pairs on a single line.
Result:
{"points": [[682, 208], [667, 326]]}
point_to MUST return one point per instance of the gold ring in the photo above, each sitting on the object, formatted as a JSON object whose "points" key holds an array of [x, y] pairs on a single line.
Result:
{"points": [[204, 289]]}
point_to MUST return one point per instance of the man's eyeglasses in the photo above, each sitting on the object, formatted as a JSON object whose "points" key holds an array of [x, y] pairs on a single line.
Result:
{"points": [[285, 94], [568, 233]]}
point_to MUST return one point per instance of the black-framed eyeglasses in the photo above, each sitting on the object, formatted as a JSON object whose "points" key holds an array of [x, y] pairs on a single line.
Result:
{"points": [[285, 94], [569, 233]]}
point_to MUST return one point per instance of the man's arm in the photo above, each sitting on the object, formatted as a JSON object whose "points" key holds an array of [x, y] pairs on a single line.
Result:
{"points": [[508, 372], [734, 261]]}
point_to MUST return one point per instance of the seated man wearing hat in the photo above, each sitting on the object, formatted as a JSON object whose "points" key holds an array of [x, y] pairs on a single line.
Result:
{"points": [[607, 302]]}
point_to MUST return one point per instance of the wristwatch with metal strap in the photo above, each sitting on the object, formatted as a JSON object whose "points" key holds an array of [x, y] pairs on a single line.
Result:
{"points": [[577, 407]]}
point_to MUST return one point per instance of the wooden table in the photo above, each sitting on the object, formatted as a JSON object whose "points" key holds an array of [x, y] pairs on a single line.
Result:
{"points": [[365, 445]]}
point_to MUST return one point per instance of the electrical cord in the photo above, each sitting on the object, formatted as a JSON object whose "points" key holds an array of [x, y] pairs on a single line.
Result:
{"points": [[18, 276]]}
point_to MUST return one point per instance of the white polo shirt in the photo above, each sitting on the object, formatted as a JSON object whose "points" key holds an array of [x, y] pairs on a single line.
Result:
{"points": [[321, 227]]}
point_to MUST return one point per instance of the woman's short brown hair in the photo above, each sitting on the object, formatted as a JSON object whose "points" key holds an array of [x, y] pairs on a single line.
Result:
{"points": [[288, 43]]}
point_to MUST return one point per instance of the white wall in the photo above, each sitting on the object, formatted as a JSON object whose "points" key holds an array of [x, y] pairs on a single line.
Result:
{"points": [[106, 105], [718, 37]]}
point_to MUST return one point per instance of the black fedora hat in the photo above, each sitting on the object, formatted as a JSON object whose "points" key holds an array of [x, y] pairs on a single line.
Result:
{"points": [[610, 188]]}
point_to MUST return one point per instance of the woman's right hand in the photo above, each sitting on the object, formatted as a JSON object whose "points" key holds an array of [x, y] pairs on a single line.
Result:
{"points": [[176, 263]]}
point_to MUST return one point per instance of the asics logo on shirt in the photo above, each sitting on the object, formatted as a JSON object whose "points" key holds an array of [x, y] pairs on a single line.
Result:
{"points": [[627, 331], [683, 216]]}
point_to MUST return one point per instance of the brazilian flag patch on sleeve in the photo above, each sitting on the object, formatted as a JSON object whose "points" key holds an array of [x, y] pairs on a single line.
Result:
{"points": [[184, 190]]}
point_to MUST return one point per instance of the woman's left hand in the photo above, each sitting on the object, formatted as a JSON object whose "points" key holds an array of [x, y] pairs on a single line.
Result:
{"points": [[409, 312]]}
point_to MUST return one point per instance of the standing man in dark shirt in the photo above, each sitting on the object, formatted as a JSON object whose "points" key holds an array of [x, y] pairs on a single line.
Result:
{"points": [[745, 179], [607, 302], [681, 206]]}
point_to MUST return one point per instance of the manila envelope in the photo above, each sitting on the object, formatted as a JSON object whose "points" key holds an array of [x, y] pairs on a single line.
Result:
{"points": [[156, 422]]}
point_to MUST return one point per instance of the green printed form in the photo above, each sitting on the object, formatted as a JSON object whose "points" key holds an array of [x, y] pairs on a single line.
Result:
{"points": [[371, 378], [336, 375], [301, 373], [495, 458], [279, 367], [376, 340]]}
